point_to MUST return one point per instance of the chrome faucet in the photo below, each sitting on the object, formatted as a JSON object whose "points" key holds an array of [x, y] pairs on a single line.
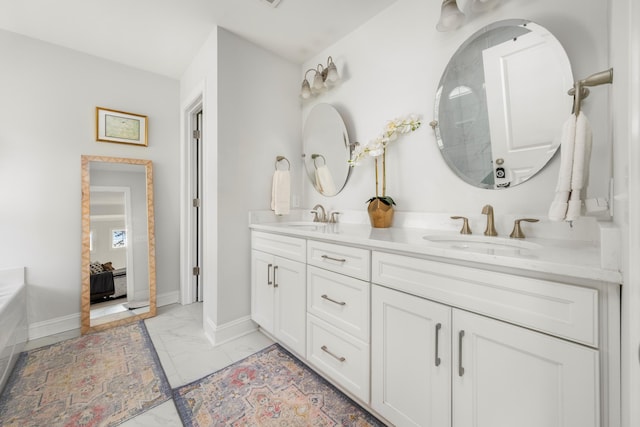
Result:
{"points": [[319, 214], [491, 229]]}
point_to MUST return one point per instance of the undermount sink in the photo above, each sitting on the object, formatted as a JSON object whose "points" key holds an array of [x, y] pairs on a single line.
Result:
{"points": [[304, 224], [482, 243]]}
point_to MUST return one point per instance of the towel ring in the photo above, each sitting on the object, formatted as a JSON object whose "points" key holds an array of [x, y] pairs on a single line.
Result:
{"points": [[315, 156], [279, 159]]}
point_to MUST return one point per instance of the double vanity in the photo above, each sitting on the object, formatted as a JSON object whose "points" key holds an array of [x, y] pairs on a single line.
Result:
{"points": [[435, 328]]}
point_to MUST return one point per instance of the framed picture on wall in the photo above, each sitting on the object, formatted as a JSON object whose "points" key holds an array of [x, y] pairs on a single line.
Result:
{"points": [[120, 127]]}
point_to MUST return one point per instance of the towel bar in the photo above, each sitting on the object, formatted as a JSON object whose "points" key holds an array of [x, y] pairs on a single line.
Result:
{"points": [[281, 158]]}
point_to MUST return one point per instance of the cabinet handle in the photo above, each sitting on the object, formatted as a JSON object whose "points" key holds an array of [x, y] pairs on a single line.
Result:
{"points": [[333, 259], [460, 368], [333, 301], [269, 281], [438, 327], [326, 350], [275, 281]]}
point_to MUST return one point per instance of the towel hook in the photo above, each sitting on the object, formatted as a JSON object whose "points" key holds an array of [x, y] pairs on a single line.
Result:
{"points": [[281, 158], [315, 156]]}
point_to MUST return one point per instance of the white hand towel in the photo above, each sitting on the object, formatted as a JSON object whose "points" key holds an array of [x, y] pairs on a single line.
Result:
{"points": [[580, 172], [324, 181], [558, 209], [280, 192]]}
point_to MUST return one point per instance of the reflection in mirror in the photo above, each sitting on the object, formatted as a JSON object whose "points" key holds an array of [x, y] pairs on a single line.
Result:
{"points": [[118, 243], [326, 150], [501, 103]]}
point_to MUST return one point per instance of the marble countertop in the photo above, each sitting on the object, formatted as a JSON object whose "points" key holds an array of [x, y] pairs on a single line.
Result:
{"points": [[570, 259]]}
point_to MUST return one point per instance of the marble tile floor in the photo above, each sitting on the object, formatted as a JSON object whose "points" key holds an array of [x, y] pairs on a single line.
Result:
{"points": [[185, 354]]}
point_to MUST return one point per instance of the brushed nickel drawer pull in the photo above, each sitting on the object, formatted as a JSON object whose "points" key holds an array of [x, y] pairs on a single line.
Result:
{"points": [[332, 300], [333, 259], [326, 350], [460, 367], [275, 281], [438, 327]]}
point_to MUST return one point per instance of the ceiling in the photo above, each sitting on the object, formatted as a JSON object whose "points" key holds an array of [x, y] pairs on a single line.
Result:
{"points": [[163, 36]]}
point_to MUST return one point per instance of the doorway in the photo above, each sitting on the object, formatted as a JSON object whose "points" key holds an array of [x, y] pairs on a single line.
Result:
{"points": [[196, 176], [191, 211]]}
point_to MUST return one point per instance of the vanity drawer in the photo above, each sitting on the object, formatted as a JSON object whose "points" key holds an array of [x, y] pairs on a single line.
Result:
{"points": [[559, 309], [340, 300], [284, 246], [339, 356], [354, 262]]}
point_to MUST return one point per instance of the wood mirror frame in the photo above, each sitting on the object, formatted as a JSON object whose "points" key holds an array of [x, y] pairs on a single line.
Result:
{"points": [[85, 301]]}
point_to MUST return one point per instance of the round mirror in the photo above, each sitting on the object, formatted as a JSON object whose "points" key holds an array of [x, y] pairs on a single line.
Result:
{"points": [[501, 103], [326, 150]]}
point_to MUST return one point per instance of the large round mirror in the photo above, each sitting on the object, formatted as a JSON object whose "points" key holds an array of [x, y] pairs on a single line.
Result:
{"points": [[501, 103], [326, 150]]}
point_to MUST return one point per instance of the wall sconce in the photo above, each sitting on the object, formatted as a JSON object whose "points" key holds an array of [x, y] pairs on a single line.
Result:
{"points": [[324, 78], [453, 12]]}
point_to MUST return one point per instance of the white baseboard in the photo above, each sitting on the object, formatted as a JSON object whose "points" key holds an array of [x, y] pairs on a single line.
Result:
{"points": [[219, 334], [72, 321], [54, 326], [167, 298]]}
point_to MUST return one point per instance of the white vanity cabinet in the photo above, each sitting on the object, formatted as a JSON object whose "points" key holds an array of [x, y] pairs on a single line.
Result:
{"points": [[437, 365], [338, 303], [278, 288], [410, 359], [431, 340]]}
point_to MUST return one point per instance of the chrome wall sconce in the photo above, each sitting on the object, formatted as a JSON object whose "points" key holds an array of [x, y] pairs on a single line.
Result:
{"points": [[324, 78], [454, 12]]}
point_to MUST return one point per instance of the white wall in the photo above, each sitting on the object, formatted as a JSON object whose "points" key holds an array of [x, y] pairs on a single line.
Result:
{"points": [[251, 115], [625, 57], [47, 121], [391, 66], [258, 119]]}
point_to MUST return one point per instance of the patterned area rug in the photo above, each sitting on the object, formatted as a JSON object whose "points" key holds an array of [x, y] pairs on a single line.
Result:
{"points": [[270, 388], [100, 379]]}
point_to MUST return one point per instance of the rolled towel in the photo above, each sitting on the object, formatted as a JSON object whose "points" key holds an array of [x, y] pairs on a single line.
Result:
{"points": [[580, 172], [324, 181], [280, 192], [559, 206]]}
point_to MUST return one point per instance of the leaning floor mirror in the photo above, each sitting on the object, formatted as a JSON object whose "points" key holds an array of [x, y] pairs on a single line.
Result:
{"points": [[118, 242]]}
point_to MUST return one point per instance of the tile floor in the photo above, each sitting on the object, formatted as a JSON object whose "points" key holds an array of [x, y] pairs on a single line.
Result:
{"points": [[185, 354]]}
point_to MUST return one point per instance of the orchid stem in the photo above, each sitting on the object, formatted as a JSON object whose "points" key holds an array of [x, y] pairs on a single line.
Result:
{"points": [[384, 173], [376, 166]]}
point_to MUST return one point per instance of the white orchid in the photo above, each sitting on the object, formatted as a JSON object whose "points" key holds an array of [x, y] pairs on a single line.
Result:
{"points": [[378, 148]]}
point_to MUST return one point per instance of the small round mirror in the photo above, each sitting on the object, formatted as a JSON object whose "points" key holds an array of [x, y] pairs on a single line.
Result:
{"points": [[501, 103], [326, 150]]}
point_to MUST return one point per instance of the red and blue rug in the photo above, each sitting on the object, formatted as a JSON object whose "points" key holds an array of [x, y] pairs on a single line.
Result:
{"points": [[270, 388], [102, 379]]}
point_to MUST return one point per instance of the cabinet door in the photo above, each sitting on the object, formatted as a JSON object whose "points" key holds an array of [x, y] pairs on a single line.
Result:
{"points": [[262, 289], [289, 282], [410, 359], [505, 376]]}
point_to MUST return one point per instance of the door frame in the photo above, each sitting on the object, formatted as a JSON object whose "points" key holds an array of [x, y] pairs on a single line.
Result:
{"points": [[190, 108]]}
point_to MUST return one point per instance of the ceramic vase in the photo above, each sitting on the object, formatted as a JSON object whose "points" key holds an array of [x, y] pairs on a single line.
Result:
{"points": [[380, 214]]}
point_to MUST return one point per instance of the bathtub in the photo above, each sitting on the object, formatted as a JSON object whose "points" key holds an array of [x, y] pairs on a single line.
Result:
{"points": [[13, 319]]}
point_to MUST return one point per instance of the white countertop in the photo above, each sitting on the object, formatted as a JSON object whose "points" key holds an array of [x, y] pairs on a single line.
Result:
{"points": [[570, 259]]}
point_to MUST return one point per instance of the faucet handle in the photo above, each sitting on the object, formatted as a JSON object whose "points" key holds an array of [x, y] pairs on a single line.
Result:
{"points": [[465, 224], [517, 231], [316, 218], [333, 217]]}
